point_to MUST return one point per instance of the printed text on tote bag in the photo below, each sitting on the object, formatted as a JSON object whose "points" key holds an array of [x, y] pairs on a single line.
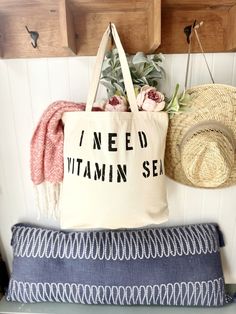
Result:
{"points": [[107, 172]]}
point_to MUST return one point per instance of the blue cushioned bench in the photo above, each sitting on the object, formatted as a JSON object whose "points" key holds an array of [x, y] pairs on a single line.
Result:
{"points": [[63, 308]]}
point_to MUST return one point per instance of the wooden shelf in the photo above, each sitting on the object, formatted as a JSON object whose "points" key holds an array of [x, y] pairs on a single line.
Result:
{"points": [[201, 4], [46, 17], [75, 27], [138, 23], [218, 33]]}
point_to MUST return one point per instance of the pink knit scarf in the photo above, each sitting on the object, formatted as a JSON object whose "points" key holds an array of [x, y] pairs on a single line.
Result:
{"points": [[47, 143], [47, 164]]}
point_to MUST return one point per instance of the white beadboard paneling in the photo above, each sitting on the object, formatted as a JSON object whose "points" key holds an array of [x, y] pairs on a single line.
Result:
{"points": [[186, 204], [78, 78], [38, 79], [233, 80], [58, 72], [29, 86], [165, 84], [101, 92], [11, 185], [193, 209], [178, 70], [223, 74], [177, 202], [198, 72], [22, 120], [175, 72]]}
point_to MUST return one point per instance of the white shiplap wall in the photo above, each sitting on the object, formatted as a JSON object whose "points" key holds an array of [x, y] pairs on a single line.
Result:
{"points": [[28, 86]]}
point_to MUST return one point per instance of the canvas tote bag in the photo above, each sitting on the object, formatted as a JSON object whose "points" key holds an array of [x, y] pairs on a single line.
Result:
{"points": [[113, 161]]}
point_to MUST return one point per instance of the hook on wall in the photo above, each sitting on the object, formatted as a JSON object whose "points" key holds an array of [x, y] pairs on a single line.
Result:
{"points": [[189, 29], [112, 39], [34, 37]]}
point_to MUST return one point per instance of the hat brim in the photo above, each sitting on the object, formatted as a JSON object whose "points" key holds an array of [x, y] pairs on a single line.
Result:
{"points": [[210, 102]]}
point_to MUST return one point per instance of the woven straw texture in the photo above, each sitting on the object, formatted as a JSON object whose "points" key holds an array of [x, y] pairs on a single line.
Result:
{"points": [[207, 157]]}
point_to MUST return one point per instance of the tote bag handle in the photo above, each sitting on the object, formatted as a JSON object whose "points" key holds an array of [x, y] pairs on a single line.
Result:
{"points": [[98, 68]]}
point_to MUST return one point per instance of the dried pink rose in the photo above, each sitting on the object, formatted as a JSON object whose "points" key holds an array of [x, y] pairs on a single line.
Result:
{"points": [[149, 99], [116, 103], [97, 109]]}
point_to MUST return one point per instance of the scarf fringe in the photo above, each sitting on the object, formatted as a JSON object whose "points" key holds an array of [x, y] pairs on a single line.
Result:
{"points": [[47, 199]]}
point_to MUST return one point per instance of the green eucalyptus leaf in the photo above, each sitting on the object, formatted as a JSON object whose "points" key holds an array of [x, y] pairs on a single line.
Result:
{"points": [[106, 72], [117, 93], [185, 98], [109, 54], [106, 64], [156, 66], [175, 92], [163, 73], [172, 102], [139, 68], [139, 57], [118, 68], [157, 57], [114, 51], [119, 88], [153, 82], [135, 75], [107, 85], [175, 105], [112, 77], [145, 80], [160, 56], [154, 74], [117, 64], [136, 90], [147, 70]]}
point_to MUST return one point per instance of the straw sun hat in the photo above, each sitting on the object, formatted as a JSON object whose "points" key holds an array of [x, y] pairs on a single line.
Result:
{"points": [[200, 148]]}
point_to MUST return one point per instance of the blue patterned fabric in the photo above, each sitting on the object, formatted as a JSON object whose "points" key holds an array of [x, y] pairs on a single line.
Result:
{"points": [[164, 266]]}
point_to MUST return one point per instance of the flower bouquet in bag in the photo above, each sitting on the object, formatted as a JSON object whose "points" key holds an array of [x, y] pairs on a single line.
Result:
{"points": [[147, 73]]}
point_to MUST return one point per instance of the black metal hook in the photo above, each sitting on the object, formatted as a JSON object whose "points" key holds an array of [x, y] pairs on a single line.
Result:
{"points": [[34, 36], [112, 39], [188, 30]]}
